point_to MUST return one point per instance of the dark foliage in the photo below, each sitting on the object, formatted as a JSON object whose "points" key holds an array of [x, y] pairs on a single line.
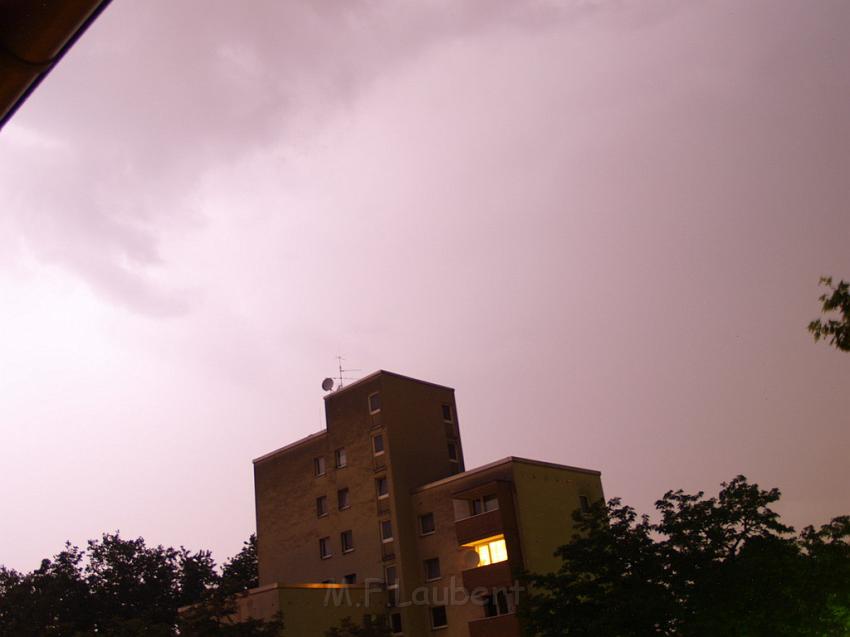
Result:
{"points": [[370, 626], [124, 588], [836, 330], [711, 566]]}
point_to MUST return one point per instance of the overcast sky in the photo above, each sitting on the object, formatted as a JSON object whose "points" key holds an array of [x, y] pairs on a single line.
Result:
{"points": [[602, 222]]}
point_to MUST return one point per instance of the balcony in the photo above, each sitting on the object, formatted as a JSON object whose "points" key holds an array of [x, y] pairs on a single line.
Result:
{"points": [[479, 526], [501, 626], [491, 576]]}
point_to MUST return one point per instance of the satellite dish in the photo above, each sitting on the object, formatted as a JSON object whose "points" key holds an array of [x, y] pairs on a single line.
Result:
{"points": [[471, 558], [328, 384]]}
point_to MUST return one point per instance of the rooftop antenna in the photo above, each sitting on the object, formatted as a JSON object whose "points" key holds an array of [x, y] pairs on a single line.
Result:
{"points": [[342, 371]]}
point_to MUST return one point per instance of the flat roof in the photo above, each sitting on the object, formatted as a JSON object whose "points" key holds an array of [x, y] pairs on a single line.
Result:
{"points": [[291, 445], [369, 377], [498, 463]]}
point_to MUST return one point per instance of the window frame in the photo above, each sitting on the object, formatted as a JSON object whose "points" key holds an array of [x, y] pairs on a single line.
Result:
{"points": [[422, 530], [322, 506], [386, 481], [451, 411], [445, 624], [385, 540], [452, 451], [495, 603], [320, 467], [347, 547], [340, 458], [393, 630], [369, 402], [325, 547], [427, 564], [584, 504], [343, 494], [375, 451]]}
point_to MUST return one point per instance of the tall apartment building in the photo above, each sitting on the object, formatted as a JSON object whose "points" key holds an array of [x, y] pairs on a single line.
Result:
{"points": [[380, 505]]}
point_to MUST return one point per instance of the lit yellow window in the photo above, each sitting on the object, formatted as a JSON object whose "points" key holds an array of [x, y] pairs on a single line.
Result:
{"points": [[490, 550]]}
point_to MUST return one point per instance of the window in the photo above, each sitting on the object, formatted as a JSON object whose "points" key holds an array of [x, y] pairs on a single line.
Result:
{"points": [[324, 547], [378, 444], [391, 576], [319, 466], [484, 505], [452, 452], [382, 487], [496, 605], [584, 504], [346, 539], [447, 413], [391, 581], [339, 457], [386, 531], [426, 524], [438, 617], [321, 506], [374, 403], [351, 578], [330, 580], [491, 550], [342, 499], [395, 623], [432, 569]]}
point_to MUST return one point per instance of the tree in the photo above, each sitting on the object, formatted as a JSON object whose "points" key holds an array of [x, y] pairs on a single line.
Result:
{"points": [[370, 626], [241, 572], [837, 330], [125, 588], [723, 565]]}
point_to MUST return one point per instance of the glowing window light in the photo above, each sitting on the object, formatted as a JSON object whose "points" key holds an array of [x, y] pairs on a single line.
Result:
{"points": [[491, 550]]}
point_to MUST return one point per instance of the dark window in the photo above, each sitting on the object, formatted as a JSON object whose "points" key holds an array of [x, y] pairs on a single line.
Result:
{"points": [[324, 547], [374, 403], [447, 413], [351, 578], [426, 523], [483, 505], [584, 503], [391, 576], [395, 623], [346, 538], [319, 466], [378, 444], [438, 617], [452, 452], [342, 499], [496, 604], [339, 456], [382, 487], [432, 569], [386, 530], [321, 506]]}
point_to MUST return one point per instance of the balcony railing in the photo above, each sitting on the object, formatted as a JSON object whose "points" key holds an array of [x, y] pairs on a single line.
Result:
{"points": [[499, 626], [492, 576], [479, 526]]}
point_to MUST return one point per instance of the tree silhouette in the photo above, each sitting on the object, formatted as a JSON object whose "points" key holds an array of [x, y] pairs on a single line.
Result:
{"points": [[125, 588], [723, 565], [836, 330]]}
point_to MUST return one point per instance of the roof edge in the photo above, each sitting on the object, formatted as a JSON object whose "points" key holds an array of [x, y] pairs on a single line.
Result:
{"points": [[380, 372], [291, 445], [503, 461]]}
